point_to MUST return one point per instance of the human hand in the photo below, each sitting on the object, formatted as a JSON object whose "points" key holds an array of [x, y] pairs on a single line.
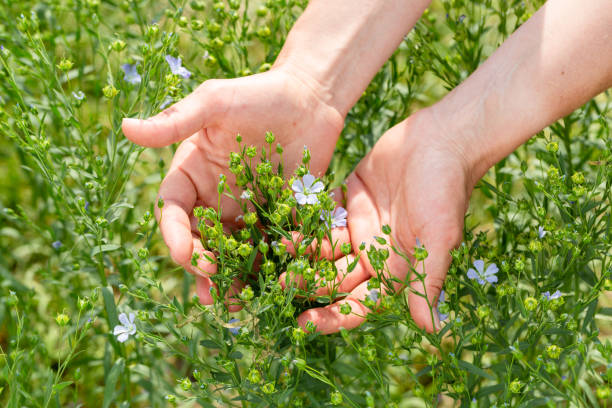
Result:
{"points": [[208, 121], [416, 181]]}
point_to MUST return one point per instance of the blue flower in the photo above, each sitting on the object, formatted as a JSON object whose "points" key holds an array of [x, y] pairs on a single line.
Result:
{"points": [[441, 299], [176, 66], [373, 295], [337, 216], [234, 330], [555, 295], [57, 244], [541, 232], [166, 102], [306, 189], [131, 74], [481, 275]]}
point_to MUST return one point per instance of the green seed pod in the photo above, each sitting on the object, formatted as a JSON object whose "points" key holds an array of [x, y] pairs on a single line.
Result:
{"points": [[336, 398], [553, 351], [254, 377], [530, 303], [515, 386]]}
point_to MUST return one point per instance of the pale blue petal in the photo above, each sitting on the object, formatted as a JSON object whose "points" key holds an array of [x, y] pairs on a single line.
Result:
{"points": [[481, 281], [491, 270], [124, 319], [122, 338], [556, 295], [119, 330], [479, 265], [234, 330], [308, 180], [175, 63], [340, 213], [338, 223], [491, 278], [317, 187], [312, 199], [183, 72], [471, 274], [441, 297], [297, 186], [300, 198], [132, 318]]}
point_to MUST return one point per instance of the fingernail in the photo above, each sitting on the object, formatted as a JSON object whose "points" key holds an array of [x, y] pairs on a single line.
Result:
{"points": [[437, 325]]}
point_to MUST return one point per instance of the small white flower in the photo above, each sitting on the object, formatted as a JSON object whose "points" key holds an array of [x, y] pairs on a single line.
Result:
{"points": [[306, 189], [78, 95], [176, 66], [541, 232], [246, 195], [126, 329], [337, 216]]}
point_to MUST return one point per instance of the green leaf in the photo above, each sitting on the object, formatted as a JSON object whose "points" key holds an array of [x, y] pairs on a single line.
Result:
{"points": [[315, 374], [111, 382], [104, 248], [353, 264], [209, 344], [475, 370], [60, 386], [109, 305]]}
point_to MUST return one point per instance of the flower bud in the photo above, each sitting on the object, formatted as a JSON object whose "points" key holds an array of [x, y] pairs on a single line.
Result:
{"points": [[515, 386], [250, 218], [553, 351], [336, 398], [118, 45], [110, 91], [62, 319], [530, 303], [552, 147], [65, 65]]}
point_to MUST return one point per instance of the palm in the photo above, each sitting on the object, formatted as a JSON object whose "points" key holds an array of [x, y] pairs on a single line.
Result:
{"points": [[422, 195], [212, 117]]}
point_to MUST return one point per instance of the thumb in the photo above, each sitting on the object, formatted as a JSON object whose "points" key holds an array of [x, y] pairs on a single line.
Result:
{"points": [[174, 124], [423, 297]]}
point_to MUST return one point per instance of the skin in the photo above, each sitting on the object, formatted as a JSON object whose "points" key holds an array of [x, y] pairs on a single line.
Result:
{"points": [[419, 176], [303, 100]]}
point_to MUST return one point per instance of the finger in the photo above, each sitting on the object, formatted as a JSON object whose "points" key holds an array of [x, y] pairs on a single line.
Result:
{"points": [[205, 264], [176, 123], [329, 249], [231, 297], [204, 285], [178, 194], [330, 319], [423, 295]]}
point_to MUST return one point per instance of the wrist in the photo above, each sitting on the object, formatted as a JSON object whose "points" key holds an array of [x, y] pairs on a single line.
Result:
{"points": [[441, 131], [321, 90]]}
